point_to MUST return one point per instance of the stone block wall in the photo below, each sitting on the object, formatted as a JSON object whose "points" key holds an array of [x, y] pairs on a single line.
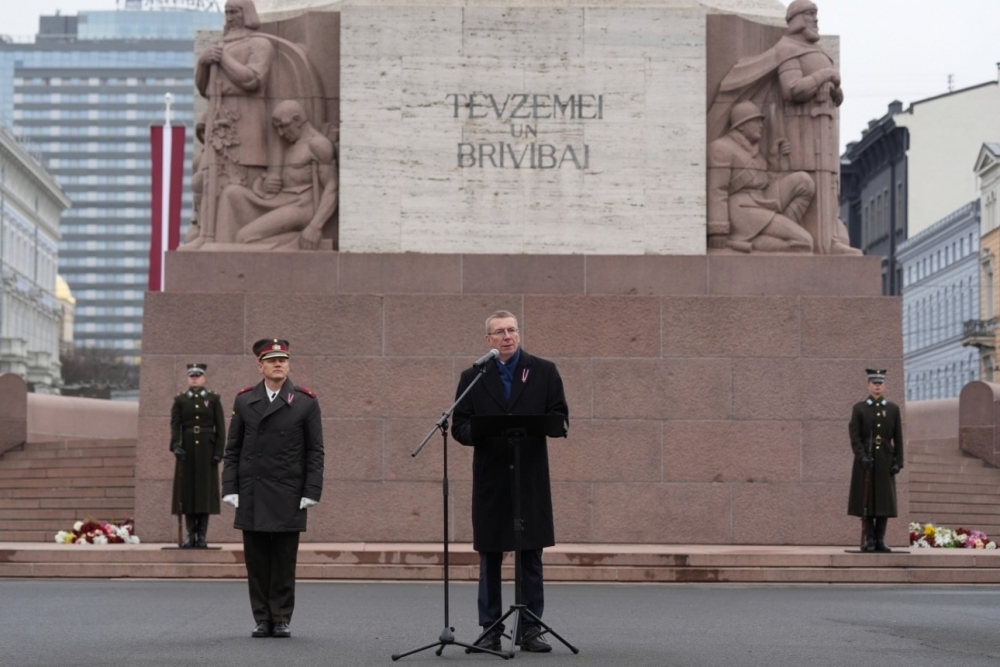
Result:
{"points": [[709, 396], [548, 130]]}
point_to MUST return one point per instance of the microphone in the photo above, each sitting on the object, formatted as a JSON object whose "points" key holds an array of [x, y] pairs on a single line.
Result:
{"points": [[481, 361]]}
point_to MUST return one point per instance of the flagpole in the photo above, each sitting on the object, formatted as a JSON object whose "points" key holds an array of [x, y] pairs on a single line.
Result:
{"points": [[167, 154]]}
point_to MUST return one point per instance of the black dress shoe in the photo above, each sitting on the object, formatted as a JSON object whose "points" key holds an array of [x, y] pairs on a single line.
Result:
{"points": [[881, 547], [263, 629], [533, 642], [281, 630], [869, 544], [489, 641], [201, 543]]}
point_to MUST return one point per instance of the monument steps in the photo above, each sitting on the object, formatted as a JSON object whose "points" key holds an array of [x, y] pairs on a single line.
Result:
{"points": [[46, 487], [951, 488], [63, 472], [564, 563], [70, 453], [81, 444]]}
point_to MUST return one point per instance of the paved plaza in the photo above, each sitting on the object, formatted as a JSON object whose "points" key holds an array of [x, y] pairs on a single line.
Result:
{"points": [[147, 623]]}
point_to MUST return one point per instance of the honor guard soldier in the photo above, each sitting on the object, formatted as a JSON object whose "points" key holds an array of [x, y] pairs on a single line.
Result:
{"points": [[877, 440], [196, 426], [272, 475]]}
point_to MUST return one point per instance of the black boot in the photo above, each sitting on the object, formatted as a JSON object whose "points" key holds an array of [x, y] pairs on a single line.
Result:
{"points": [[191, 521], [202, 531], [868, 526], [880, 525]]}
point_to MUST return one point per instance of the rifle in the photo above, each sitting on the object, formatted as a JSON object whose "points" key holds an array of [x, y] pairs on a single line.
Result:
{"points": [[866, 494], [179, 489]]}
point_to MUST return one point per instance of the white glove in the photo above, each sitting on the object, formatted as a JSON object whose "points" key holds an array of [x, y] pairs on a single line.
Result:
{"points": [[306, 503], [232, 499]]}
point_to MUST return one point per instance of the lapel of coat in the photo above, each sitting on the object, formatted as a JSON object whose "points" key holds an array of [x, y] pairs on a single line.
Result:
{"points": [[493, 384], [522, 375], [280, 401], [258, 399]]}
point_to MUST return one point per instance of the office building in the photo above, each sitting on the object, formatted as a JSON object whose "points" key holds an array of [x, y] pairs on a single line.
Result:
{"points": [[85, 91]]}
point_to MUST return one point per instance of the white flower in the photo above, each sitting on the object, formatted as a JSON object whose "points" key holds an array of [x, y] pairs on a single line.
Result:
{"points": [[916, 527], [132, 539], [82, 540], [962, 539], [78, 525], [60, 537], [991, 545], [100, 539]]}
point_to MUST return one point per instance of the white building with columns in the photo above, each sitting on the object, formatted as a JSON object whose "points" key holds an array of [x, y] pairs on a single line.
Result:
{"points": [[31, 202]]}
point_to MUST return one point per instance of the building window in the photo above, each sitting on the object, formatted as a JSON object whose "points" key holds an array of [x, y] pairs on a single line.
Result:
{"points": [[987, 287]]}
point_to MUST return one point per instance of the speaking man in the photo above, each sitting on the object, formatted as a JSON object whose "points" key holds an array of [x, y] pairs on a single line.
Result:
{"points": [[273, 473], [517, 384]]}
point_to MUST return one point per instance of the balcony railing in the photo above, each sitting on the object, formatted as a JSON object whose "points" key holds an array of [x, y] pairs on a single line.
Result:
{"points": [[980, 333]]}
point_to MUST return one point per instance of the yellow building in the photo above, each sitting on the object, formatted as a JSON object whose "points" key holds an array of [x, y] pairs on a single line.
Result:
{"points": [[984, 333], [68, 302]]}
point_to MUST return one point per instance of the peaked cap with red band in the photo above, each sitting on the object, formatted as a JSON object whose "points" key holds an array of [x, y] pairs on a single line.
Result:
{"points": [[267, 348]]}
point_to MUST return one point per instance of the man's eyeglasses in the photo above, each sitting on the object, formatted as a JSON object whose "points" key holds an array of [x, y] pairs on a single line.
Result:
{"points": [[500, 332]]}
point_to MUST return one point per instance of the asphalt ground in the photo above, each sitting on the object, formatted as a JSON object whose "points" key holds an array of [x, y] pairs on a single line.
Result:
{"points": [[146, 623]]}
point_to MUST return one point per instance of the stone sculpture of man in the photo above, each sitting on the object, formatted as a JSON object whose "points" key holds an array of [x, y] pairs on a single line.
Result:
{"points": [[749, 207], [233, 74], [307, 199], [811, 93], [198, 177], [798, 80]]}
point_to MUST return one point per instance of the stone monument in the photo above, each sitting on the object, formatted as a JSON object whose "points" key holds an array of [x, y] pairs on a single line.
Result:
{"points": [[798, 84], [256, 184], [550, 158]]}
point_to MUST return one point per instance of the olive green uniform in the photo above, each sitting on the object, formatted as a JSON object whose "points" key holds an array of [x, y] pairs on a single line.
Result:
{"points": [[876, 431], [197, 425]]}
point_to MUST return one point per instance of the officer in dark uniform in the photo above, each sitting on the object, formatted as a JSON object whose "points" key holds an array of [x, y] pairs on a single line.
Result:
{"points": [[273, 474], [877, 440], [196, 427]]}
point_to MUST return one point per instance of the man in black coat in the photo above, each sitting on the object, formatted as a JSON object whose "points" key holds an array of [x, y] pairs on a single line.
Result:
{"points": [[273, 473], [877, 441], [197, 424], [516, 383]]}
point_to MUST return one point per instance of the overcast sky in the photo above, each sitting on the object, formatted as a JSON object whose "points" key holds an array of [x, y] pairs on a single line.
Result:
{"points": [[890, 49]]}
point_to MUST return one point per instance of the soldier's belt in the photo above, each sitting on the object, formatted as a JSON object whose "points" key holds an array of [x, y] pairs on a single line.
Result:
{"points": [[200, 429]]}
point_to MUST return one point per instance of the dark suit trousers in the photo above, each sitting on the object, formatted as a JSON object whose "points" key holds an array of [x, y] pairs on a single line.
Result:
{"points": [[532, 593], [270, 559]]}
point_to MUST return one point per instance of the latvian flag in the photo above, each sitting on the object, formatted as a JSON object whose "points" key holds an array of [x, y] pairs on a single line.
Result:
{"points": [[168, 180]]}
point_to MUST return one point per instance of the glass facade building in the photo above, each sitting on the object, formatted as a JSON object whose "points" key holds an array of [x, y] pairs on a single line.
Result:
{"points": [[86, 102]]}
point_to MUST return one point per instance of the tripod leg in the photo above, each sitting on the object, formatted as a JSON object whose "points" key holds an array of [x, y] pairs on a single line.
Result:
{"points": [[550, 631], [515, 628], [397, 656]]}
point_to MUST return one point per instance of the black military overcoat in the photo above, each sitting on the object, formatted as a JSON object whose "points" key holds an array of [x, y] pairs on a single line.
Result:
{"points": [[274, 457], [197, 422], [875, 425], [537, 390]]}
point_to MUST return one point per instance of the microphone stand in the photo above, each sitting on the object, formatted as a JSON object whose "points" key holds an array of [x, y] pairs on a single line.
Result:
{"points": [[447, 636]]}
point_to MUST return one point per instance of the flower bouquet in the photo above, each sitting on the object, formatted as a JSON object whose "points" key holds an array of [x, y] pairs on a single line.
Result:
{"points": [[938, 537], [99, 532]]}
